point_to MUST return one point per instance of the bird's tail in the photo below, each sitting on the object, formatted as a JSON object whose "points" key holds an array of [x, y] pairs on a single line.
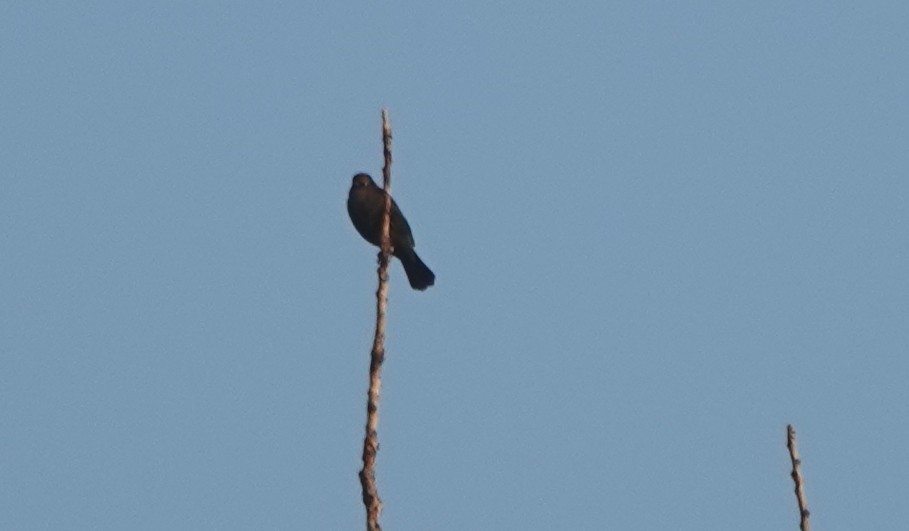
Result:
{"points": [[419, 276]]}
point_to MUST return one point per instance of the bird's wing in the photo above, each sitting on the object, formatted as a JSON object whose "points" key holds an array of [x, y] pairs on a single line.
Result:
{"points": [[399, 225]]}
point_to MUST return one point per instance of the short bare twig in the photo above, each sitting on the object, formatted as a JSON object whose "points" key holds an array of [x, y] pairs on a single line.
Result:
{"points": [[797, 478]]}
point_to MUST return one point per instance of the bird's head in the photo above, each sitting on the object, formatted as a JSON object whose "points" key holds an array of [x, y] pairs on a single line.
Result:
{"points": [[362, 180]]}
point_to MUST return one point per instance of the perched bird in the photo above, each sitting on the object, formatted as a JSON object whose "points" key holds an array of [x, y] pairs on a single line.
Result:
{"points": [[366, 206]]}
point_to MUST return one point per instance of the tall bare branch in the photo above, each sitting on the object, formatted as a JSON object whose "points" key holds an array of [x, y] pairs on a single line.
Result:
{"points": [[371, 499]]}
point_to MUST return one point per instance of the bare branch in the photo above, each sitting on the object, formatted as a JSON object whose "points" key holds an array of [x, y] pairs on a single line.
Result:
{"points": [[805, 525], [371, 499]]}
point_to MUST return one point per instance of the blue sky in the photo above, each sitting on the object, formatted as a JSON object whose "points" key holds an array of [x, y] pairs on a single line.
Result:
{"points": [[661, 231]]}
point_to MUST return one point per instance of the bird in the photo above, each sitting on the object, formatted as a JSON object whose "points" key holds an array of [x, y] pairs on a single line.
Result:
{"points": [[366, 207]]}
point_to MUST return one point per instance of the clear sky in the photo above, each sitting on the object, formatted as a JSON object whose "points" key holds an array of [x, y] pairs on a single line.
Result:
{"points": [[661, 231]]}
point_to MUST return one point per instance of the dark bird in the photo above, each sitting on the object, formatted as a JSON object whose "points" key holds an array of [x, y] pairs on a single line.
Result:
{"points": [[366, 206]]}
